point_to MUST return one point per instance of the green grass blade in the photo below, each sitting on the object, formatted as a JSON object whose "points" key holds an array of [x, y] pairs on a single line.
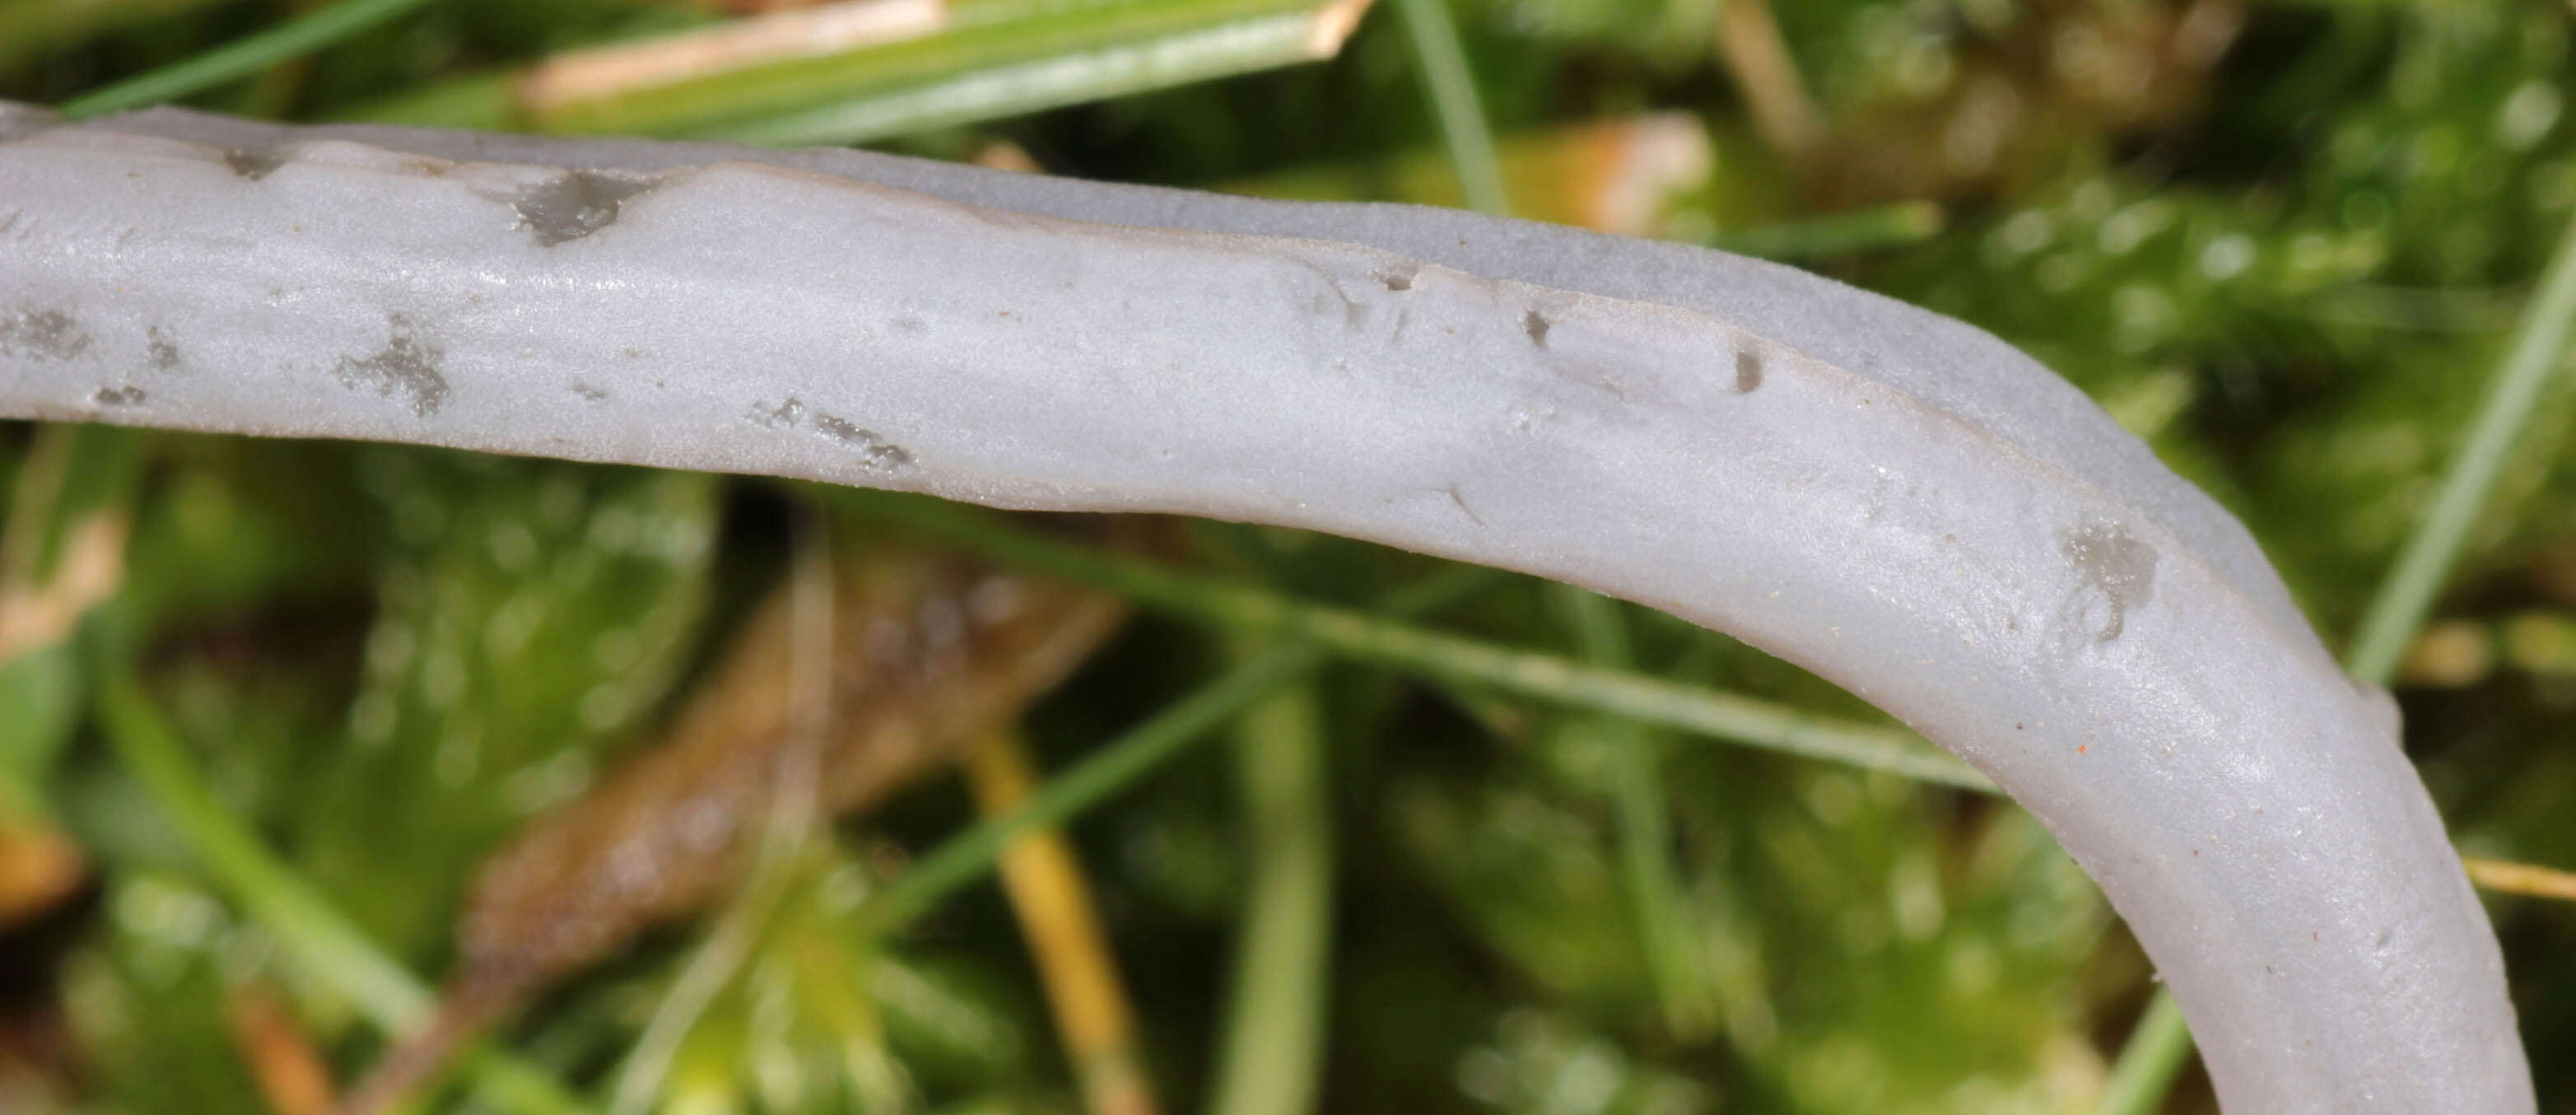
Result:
{"points": [[2156, 1051], [1270, 1061], [1095, 72], [324, 942], [1653, 882], [2538, 349], [1118, 764], [240, 58], [1861, 230], [1453, 99], [1367, 637], [1113, 767], [980, 60]]}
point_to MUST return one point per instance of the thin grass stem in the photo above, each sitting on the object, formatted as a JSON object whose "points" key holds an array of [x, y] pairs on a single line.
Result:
{"points": [[1270, 1060], [2157, 1048], [1061, 924], [240, 58], [1655, 893], [1454, 101], [1367, 637], [2528, 879], [1116, 765], [1880, 226], [2538, 349]]}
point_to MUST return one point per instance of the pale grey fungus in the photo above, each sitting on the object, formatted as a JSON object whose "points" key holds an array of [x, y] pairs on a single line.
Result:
{"points": [[2116, 574], [407, 367], [574, 204], [20, 119], [253, 163], [1153, 361], [47, 334], [117, 396]]}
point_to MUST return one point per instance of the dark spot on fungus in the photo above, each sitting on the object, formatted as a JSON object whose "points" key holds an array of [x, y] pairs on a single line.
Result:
{"points": [[116, 396], [872, 446], [2116, 575], [253, 163], [1397, 278], [42, 335], [1748, 371], [1535, 324], [575, 205], [589, 393], [786, 414], [160, 353], [406, 366]]}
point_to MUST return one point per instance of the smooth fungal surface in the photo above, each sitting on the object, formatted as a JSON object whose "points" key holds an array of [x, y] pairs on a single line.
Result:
{"points": [[1883, 495]]}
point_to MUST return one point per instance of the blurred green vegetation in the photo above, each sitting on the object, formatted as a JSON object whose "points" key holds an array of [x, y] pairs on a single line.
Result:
{"points": [[2286, 242]]}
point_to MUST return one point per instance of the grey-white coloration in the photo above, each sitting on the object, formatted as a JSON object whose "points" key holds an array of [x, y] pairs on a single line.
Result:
{"points": [[1888, 497]]}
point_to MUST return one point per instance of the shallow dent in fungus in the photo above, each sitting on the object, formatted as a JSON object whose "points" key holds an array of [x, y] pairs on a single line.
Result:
{"points": [[253, 163]]}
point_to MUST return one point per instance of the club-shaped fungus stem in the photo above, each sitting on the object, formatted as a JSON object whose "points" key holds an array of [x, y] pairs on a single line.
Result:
{"points": [[1885, 496]]}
